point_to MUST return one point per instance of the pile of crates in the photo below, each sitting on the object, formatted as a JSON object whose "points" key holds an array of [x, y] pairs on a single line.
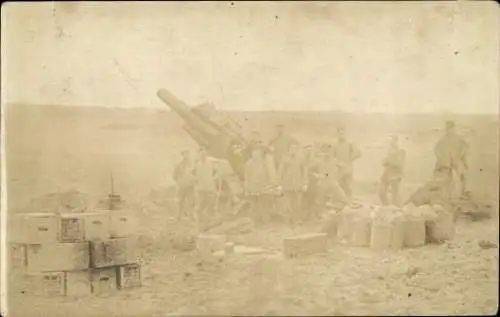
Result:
{"points": [[73, 254]]}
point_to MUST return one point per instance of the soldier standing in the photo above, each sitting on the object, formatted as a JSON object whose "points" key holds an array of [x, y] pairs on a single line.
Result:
{"points": [[393, 172], [206, 189], [256, 179], [281, 144], [309, 201], [294, 182], [184, 178], [451, 154], [345, 154], [328, 189], [255, 141], [236, 157], [272, 189]]}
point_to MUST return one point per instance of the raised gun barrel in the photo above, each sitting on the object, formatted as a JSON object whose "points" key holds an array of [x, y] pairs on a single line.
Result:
{"points": [[208, 128], [185, 112]]}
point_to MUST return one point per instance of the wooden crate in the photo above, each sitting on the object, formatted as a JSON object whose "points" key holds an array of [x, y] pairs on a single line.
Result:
{"points": [[34, 228], [17, 257], [46, 284], [121, 225], [84, 226], [128, 275], [57, 257], [78, 283], [56, 284], [304, 245], [113, 252], [103, 280]]}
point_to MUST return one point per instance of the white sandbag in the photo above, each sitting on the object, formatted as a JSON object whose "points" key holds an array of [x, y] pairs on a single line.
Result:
{"points": [[381, 234], [361, 231], [409, 208], [388, 210], [414, 231], [398, 232], [387, 229]]}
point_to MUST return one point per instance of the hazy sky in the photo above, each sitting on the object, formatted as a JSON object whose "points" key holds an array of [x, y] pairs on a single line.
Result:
{"points": [[355, 56]]}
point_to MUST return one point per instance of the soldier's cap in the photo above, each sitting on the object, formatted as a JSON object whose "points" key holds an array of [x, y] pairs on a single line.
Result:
{"points": [[450, 123], [308, 146]]}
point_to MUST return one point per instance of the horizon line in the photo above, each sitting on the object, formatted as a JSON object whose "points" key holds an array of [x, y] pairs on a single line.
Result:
{"points": [[167, 109]]}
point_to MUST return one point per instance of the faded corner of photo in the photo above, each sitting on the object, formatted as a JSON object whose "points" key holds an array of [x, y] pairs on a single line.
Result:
{"points": [[249, 158]]}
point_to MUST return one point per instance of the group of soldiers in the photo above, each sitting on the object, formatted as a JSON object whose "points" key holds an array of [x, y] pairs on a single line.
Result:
{"points": [[296, 182]]}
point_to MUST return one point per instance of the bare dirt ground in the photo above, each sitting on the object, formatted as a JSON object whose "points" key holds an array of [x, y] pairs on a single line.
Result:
{"points": [[57, 149]]}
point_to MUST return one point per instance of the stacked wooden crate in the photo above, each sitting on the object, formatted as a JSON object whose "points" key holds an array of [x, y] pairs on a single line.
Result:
{"points": [[73, 254]]}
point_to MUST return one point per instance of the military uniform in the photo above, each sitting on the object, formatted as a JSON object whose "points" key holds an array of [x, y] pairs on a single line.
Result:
{"points": [[281, 145], [184, 177], [451, 151], [345, 153], [293, 181], [392, 175], [255, 184], [309, 200], [206, 189], [329, 188]]}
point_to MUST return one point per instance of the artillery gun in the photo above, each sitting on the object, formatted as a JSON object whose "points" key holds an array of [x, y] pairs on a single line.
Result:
{"points": [[222, 138], [213, 130]]}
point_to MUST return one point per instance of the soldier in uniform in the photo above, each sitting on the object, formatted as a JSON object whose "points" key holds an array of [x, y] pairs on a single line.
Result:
{"points": [[451, 157], [309, 201], [255, 141], [393, 172], [273, 187], [281, 144], [184, 178], [236, 156], [206, 188], [256, 180], [345, 153], [328, 187], [293, 177]]}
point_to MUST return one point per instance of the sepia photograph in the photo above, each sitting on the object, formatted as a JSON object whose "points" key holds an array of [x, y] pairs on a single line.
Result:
{"points": [[244, 158]]}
